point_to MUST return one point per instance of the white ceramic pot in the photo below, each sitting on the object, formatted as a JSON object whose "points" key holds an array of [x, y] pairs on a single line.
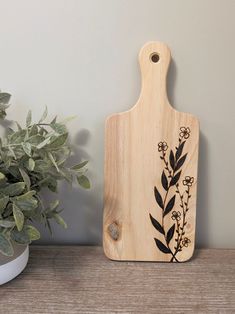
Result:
{"points": [[12, 266]]}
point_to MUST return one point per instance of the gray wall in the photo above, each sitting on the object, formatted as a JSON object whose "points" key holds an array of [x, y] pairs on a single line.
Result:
{"points": [[80, 57]]}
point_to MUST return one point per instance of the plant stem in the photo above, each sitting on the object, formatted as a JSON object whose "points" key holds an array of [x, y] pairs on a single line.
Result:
{"points": [[164, 203]]}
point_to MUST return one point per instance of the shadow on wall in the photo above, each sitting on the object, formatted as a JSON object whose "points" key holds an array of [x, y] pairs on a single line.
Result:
{"points": [[171, 79], [203, 223], [202, 215], [82, 208]]}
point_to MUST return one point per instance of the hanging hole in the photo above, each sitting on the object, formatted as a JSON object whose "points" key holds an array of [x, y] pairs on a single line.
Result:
{"points": [[154, 57]]}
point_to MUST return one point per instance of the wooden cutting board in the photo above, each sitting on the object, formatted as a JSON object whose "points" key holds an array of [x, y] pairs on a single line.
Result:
{"points": [[151, 156]]}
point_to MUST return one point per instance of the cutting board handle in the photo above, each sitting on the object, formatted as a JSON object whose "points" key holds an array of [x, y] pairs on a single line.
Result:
{"points": [[154, 59]]}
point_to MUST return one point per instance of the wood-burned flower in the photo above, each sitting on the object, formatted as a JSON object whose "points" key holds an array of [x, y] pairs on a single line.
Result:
{"points": [[188, 181], [186, 242], [184, 132], [176, 215], [162, 146]]}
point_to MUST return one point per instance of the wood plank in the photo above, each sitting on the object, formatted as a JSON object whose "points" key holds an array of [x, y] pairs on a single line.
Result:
{"points": [[82, 280], [140, 144]]}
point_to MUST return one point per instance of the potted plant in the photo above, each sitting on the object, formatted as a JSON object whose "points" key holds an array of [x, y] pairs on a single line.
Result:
{"points": [[32, 158]]}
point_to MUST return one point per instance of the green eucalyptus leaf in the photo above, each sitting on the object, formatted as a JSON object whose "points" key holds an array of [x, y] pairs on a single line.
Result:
{"points": [[52, 185], [13, 189], [44, 115], [32, 232], [2, 176], [26, 195], [53, 161], [3, 203], [26, 235], [30, 164], [5, 246], [11, 152], [42, 166], [27, 148], [6, 223], [43, 143], [18, 126], [21, 237], [33, 130], [59, 220], [35, 140], [18, 216], [54, 120], [27, 201], [29, 118], [58, 141], [14, 171], [17, 137], [54, 205], [83, 181], [59, 128], [80, 165], [25, 178]]}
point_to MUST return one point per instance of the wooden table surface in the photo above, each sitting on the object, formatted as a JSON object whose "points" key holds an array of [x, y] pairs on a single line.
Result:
{"points": [[77, 279]]}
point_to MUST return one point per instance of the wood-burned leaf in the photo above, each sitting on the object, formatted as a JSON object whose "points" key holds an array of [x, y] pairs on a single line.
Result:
{"points": [[156, 224], [180, 162], [158, 197], [19, 217], [170, 234], [164, 181], [172, 159], [179, 150], [5, 246], [169, 206], [162, 246], [175, 179]]}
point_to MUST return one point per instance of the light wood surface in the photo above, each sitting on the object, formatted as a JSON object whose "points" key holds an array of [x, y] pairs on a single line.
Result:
{"points": [[82, 280], [150, 215]]}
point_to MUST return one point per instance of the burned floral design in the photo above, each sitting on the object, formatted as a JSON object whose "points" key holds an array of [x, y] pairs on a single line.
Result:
{"points": [[162, 146], [184, 132], [176, 215], [186, 241], [170, 182], [188, 181]]}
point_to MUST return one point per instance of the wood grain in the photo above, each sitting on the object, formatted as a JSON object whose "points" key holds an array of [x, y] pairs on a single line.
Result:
{"points": [[133, 168], [82, 280]]}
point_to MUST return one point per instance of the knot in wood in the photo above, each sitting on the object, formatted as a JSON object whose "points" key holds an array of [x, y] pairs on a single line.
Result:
{"points": [[113, 230]]}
